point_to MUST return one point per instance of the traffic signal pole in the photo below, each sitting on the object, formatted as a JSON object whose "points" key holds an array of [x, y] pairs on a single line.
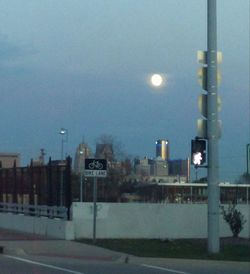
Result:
{"points": [[212, 130]]}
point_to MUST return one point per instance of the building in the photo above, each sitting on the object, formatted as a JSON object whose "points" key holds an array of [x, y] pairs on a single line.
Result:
{"points": [[181, 192], [40, 161], [105, 151], [144, 167], [162, 149], [82, 152], [160, 167], [7, 160], [151, 169], [179, 167]]}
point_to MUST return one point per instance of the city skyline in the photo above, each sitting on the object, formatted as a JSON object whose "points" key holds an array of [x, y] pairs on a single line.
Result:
{"points": [[85, 66]]}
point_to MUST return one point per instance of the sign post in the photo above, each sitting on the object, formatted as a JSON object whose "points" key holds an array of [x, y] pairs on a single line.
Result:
{"points": [[248, 158], [94, 209], [95, 168]]}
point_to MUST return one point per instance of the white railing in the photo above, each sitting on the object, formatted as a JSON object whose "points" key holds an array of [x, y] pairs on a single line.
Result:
{"points": [[35, 210]]}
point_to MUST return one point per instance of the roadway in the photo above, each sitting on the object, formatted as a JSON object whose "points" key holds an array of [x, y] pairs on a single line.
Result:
{"points": [[28, 253]]}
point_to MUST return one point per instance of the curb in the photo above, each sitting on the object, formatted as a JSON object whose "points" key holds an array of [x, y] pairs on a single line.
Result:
{"points": [[12, 251], [123, 259]]}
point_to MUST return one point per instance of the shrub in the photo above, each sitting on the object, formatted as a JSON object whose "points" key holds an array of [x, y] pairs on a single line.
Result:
{"points": [[234, 218]]}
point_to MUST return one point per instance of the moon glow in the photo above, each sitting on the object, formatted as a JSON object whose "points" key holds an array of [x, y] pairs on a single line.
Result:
{"points": [[156, 80]]}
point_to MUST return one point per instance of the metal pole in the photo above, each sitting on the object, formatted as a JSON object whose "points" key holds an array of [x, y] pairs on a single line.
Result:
{"points": [[247, 196], [81, 178], [212, 130], [191, 195], [61, 185], [61, 172], [62, 148], [62, 132], [94, 211], [81, 166]]}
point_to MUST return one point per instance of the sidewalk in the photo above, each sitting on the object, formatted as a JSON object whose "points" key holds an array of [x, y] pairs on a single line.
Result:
{"points": [[24, 244]]}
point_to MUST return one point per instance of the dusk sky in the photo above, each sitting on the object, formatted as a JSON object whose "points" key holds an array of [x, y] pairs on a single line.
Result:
{"points": [[84, 65]]}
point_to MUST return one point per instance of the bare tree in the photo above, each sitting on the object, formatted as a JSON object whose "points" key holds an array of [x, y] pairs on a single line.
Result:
{"points": [[119, 166], [112, 142]]}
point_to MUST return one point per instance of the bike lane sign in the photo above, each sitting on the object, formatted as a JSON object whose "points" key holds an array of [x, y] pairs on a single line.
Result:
{"points": [[95, 168]]}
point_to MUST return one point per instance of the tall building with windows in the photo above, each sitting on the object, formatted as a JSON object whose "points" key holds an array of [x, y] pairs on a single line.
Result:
{"points": [[160, 167], [162, 149], [105, 151], [179, 167], [82, 152], [144, 167]]}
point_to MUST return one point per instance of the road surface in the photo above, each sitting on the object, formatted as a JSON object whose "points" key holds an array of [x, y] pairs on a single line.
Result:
{"points": [[28, 253]]}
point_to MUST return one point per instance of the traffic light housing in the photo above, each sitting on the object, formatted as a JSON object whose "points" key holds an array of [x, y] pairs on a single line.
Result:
{"points": [[198, 152]]}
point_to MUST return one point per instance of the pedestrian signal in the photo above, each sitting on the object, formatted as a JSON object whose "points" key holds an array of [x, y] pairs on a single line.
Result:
{"points": [[198, 152]]}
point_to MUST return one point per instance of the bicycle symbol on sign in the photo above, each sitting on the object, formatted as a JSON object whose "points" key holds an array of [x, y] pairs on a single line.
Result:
{"points": [[95, 165]]}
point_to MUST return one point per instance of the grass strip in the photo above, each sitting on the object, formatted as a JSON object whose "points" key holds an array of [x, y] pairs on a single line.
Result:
{"points": [[181, 248]]}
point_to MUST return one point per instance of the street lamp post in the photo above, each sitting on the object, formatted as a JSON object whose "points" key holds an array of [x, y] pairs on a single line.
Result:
{"points": [[63, 132], [81, 175]]}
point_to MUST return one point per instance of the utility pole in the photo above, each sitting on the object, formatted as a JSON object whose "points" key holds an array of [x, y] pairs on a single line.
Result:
{"points": [[212, 131]]}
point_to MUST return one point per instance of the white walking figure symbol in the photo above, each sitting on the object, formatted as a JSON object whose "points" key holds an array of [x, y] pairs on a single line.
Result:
{"points": [[197, 158]]}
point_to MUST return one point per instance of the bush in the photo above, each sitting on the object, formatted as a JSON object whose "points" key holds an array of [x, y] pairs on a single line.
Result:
{"points": [[234, 218]]}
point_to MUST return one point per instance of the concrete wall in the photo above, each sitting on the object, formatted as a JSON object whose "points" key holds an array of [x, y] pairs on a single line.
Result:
{"points": [[57, 228], [144, 220], [126, 220]]}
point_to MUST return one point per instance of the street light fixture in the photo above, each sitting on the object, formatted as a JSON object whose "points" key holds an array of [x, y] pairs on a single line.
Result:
{"points": [[63, 132], [81, 152]]}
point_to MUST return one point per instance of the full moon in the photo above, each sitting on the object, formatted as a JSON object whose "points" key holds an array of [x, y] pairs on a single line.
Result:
{"points": [[156, 80]]}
